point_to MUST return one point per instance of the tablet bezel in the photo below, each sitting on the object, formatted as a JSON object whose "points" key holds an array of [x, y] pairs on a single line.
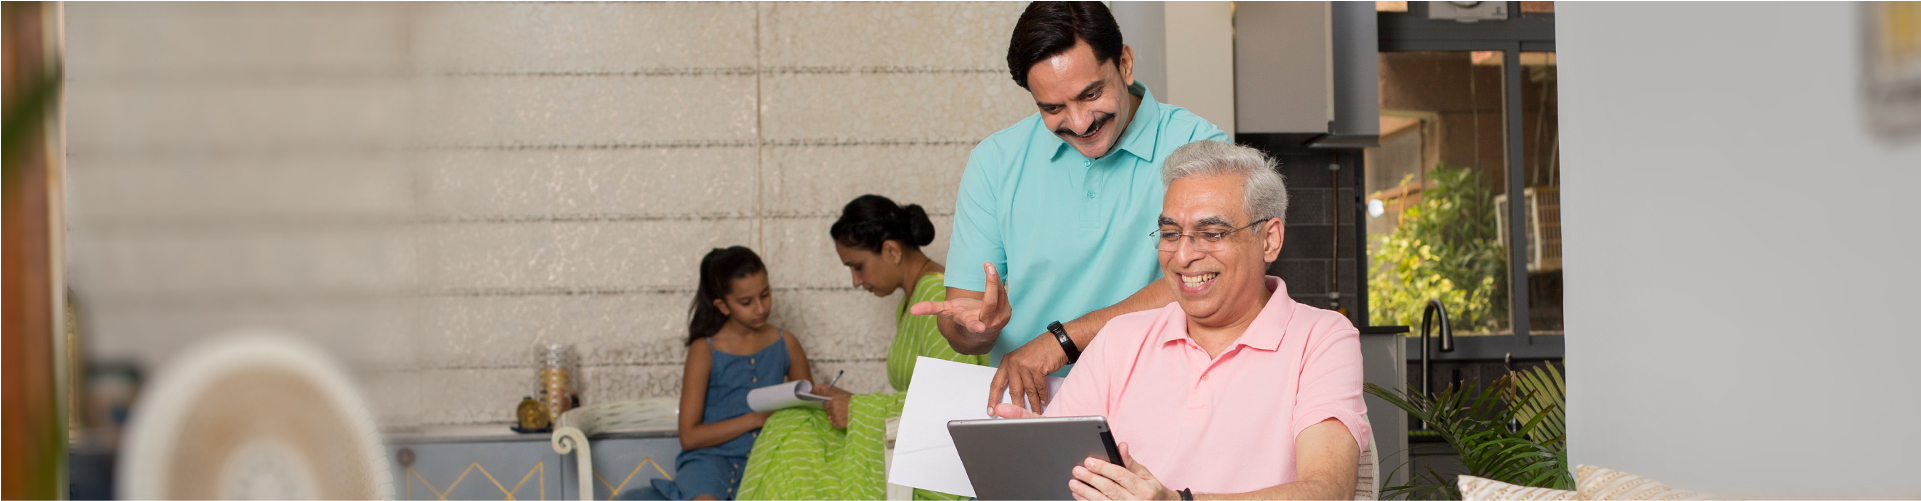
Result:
{"points": [[1029, 458]]}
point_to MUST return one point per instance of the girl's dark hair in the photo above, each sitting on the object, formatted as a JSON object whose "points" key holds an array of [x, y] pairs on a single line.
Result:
{"points": [[717, 273], [871, 219], [1048, 29]]}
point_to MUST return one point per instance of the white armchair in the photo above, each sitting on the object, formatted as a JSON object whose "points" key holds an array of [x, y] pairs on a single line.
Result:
{"points": [[1367, 475], [574, 426]]}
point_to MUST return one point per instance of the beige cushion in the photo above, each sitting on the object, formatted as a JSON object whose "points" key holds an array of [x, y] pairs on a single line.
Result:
{"points": [[1594, 482], [1480, 489]]}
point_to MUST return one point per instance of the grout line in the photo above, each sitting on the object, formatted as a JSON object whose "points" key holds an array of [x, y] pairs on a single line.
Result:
{"points": [[215, 223], [257, 76], [643, 363], [760, 138], [235, 299], [251, 151]]}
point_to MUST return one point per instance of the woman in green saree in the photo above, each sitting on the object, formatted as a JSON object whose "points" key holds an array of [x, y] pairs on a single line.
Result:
{"points": [[835, 453]]}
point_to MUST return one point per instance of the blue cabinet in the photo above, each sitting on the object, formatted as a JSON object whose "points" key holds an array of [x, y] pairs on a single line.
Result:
{"points": [[525, 467]]}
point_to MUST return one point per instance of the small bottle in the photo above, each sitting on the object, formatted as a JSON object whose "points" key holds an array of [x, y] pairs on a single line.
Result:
{"points": [[556, 384], [532, 415]]}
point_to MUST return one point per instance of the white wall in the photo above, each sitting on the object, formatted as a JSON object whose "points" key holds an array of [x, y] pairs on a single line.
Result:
{"points": [[1200, 60], [1184, 52], [1741, 263]]}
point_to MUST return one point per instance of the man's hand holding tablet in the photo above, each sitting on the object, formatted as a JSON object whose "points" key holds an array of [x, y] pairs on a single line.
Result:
{"points": [[1097, 479]]}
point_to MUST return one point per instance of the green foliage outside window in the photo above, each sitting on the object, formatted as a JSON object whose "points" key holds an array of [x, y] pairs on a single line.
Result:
{"points": [[1446, 247]]}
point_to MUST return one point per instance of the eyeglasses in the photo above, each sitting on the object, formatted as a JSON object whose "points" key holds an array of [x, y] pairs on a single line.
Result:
{"points": [[1206, 241]]}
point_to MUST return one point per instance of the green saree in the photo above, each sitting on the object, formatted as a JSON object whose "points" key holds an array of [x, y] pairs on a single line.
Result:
{"points": [[800, 455]]}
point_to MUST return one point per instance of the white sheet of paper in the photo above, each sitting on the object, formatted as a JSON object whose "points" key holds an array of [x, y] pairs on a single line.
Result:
{"points": [[942, 391], [789, 394]]}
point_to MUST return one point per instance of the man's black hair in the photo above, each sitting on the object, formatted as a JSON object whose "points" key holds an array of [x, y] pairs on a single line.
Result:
{"points": [[1048, 29]]}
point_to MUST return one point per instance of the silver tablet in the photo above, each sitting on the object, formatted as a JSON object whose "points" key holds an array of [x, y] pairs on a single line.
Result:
{"points": [[1029, 458]]}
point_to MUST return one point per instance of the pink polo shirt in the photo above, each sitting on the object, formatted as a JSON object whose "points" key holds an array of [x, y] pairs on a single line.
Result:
{"points": [[1228, 424]]}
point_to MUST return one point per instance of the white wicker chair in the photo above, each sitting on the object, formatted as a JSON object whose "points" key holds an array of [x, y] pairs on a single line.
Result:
{"points": [[895, 492], [290, 425], [574, 426], [1367, 475]]}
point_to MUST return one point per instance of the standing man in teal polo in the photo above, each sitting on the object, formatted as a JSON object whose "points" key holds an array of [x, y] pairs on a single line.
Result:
{"points": [[1061, 204]]}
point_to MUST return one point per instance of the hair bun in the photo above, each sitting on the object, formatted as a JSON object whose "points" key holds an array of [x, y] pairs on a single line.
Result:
{"points": [[919, 228]]}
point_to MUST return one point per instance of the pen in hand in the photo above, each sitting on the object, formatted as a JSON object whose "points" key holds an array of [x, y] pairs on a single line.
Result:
{"points": [[830, 384]]}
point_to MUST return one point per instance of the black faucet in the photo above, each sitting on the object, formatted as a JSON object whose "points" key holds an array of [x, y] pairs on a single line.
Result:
{"points": [[1447, 342]]}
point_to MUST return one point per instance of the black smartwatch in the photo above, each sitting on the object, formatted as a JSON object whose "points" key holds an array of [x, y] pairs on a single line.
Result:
{"points": [[1186, 494], [1067, 343]]}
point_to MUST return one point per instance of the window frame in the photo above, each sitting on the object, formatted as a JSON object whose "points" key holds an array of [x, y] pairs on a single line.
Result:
{"points": [[1412, 31]]}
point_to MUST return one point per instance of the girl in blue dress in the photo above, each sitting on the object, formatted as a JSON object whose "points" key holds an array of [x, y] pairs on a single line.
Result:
{"points": [[730, 350]]}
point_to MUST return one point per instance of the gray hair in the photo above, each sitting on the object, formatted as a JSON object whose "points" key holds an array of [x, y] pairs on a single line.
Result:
{"points": [[1264, 192]]}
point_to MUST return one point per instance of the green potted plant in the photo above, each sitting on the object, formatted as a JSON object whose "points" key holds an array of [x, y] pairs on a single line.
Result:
{"points": [[1512, 430]]}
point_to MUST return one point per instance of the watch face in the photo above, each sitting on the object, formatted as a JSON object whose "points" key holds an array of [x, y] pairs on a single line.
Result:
{"points": [[1893, 67]]}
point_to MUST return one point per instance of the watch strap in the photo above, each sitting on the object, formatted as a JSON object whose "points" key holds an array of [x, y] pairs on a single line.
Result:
{"points": [[1186, 494], [1067, 343]]}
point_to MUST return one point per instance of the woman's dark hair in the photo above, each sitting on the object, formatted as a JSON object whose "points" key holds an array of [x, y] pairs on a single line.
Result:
{"points": [[717, 273], [1048, 29], [871, 219]]}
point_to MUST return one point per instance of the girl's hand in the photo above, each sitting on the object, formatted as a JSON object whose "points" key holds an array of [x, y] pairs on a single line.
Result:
{"points": [[837, 409], [1096, 479], [759, 418]]}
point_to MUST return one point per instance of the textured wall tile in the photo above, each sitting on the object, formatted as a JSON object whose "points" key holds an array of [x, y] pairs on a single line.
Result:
{"points": [[802, 254], [503, 331], [370, 334], [862, 376], [562, 37], [820, 180], [590, 110], [280, 116], [578, 255], [959, 107], [392, 396], [916, 34], [837, 325], [468, 396], [602, 384], [652, 182], [250, 164], [169, 38], [128, 188], [273, 260]]}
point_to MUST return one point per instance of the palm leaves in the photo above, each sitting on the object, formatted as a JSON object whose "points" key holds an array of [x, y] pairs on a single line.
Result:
{"points": [[1545, 396], [1510, 430]]}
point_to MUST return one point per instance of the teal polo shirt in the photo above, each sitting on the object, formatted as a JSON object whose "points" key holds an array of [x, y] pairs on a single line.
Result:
{"points": [[1069, 234]]}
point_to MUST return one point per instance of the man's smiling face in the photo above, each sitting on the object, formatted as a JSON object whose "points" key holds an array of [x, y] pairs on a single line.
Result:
{"points": [[1082, 100], [1220, 282]]}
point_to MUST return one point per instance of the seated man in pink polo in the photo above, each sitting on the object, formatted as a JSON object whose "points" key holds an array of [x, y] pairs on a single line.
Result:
{"points": [[1234, 390]]}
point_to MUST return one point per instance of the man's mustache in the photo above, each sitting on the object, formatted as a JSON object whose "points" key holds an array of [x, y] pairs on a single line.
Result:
{"points": [[1100, 118]]}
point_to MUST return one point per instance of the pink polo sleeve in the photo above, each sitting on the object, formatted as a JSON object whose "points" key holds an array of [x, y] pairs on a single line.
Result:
{"points": [[1331, 378], [1107, 360], [1085, 391]]}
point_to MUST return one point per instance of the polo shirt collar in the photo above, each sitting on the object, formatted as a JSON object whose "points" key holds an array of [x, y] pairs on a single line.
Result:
{"points": [[1269, 326], [1143, 131]]}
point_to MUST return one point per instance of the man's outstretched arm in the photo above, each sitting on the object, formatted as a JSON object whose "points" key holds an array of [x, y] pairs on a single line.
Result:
{"points": [[971, 320], [1023, 372]]}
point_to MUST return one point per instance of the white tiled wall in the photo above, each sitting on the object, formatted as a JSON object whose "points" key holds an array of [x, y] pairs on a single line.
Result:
{"points": [[430, 190]]}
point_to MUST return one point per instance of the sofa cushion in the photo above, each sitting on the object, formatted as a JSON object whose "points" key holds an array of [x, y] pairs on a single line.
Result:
{"points": [[1480, 489]]}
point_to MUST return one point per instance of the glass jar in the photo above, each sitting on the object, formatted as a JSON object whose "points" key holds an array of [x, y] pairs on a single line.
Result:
{"points": [[555, 386]]}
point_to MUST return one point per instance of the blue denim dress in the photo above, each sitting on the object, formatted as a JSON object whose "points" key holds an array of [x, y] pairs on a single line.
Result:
{"points": [[716, 470]]}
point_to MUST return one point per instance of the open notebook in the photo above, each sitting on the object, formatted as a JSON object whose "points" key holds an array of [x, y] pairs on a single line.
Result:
{"points": [[784, 395]]}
